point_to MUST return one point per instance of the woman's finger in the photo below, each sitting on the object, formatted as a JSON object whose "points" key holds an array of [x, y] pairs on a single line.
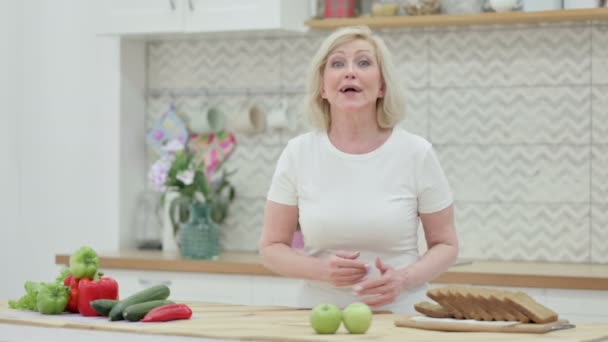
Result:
{"points": [[379, 300], [347, 263], [347, 254], [368, 285], [348, 281], [345, 272], [382, 267], [340, 273], [377, 290]]}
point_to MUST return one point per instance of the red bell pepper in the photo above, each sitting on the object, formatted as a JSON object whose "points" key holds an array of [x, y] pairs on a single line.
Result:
{"points": [[73, 296], [108, 287], [90, 290], [169, 312]]}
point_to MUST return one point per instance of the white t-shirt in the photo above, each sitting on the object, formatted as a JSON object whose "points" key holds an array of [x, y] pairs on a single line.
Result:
{"points": [[360, 202]]}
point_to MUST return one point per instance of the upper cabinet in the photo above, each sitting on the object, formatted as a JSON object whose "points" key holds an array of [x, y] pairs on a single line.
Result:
{"points": [[193, 16], [237, 15], [139, 16]]}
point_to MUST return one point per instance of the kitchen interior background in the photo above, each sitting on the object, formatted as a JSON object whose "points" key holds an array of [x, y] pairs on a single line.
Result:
{"points": [[518, 116]]}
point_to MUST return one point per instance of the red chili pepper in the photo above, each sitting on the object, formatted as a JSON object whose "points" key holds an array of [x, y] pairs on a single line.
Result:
{"points": [[168, 312], [73, 298], [90, 290]]}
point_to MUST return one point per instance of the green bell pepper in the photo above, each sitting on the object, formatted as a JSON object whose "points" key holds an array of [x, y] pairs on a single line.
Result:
{"points": [[84, 263], [52, 298]]}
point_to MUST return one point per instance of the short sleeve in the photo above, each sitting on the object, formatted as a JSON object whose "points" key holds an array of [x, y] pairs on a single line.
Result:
{"points": [[434, 191], [283, 186]]}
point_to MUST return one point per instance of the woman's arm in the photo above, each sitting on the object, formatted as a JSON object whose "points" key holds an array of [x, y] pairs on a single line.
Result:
{"points": [[442, 251], [442, 242], [280, 222]]}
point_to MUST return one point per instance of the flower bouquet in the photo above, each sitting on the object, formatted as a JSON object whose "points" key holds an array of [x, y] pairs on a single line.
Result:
{"points": [[192, 172]]}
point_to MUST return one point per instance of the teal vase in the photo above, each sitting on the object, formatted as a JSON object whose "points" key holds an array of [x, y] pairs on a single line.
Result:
{"points": [[200, 236]]}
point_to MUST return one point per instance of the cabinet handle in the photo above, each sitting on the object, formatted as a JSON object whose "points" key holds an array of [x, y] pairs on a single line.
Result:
{"points": [[172, 2], [148, 282], [191, 5]]}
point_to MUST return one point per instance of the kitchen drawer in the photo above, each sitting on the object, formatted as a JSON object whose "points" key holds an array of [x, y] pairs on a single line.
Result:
{"points": [[233, 289], [578, 302], [279, 291]]}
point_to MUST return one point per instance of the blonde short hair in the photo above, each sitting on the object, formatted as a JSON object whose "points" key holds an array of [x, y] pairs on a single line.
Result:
{"points": [[390, 109]]}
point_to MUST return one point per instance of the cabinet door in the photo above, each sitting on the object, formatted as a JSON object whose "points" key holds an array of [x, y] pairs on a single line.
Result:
{"points": [[241, 15], [139, 16], [187, 286]]}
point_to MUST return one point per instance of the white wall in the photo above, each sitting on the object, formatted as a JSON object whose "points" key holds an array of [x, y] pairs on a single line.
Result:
{"points": [[67, 135], [10, 110]]}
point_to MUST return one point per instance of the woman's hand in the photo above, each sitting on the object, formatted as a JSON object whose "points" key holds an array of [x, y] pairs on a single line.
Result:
{"points": [[383, 290], [343, 269]]}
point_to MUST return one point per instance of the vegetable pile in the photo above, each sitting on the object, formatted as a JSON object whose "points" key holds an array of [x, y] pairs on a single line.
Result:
{"points": [[82, 289]]}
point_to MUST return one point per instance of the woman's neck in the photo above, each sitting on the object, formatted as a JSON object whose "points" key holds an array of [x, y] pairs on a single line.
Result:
{"points": [[356, 133]]}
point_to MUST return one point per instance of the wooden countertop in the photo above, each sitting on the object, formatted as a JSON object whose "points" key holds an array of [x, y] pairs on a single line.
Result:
{"points": [[250, 323], [488, 273]]}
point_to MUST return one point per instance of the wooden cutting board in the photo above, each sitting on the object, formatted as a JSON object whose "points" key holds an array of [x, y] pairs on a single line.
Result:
{"points": [[472, 326], [270, 324]]}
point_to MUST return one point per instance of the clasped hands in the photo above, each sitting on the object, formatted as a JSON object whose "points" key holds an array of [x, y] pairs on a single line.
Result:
{"points": [[345, 270]]}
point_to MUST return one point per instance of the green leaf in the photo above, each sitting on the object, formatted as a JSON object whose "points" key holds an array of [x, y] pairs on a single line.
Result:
{"points": [[29, 300], [200, 183], [62, 275]]}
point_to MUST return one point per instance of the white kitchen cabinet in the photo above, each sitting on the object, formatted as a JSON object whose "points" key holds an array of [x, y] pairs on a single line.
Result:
{"points": [[140, 17], [204, 287], [578, 306], [241, 15], [209, 287]]}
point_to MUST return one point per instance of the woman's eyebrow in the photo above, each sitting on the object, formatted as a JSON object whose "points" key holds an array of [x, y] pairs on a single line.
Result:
{"points": [[340, 52]]}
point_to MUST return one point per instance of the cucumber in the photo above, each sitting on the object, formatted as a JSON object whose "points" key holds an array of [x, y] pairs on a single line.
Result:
{"points": [[157, 292], [103, 306], [136, 312]]}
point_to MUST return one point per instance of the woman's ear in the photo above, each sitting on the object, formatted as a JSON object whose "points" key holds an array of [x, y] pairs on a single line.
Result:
{"points": [[381, 92], [322, 89]]}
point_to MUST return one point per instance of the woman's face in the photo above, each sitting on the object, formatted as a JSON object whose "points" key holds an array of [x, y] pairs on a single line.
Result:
{"points": [[351, 79]]}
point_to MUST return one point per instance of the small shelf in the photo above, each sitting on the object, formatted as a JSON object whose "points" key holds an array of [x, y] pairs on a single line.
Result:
{"points": [[487, 18]]}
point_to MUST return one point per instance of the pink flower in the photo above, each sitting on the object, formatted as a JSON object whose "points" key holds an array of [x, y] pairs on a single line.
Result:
{"points": [[158, 172]]}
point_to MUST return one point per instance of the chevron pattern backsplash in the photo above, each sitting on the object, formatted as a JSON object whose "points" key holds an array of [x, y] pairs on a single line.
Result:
{"points": [[518, 115]]}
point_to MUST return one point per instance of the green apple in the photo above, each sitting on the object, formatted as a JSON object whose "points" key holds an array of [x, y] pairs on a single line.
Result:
{"points": [[357, 318], [325, 318]]}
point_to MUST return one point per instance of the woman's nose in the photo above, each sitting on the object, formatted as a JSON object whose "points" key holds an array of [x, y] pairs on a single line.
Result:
{"points": [[350, 72]]}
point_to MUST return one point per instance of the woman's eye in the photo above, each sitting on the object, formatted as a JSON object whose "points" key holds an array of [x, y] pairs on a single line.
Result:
{"points": [[336, 64], [364, 63]]}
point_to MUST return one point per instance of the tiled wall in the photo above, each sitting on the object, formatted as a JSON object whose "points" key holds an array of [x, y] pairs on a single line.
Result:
{"points": [[518, 115]]}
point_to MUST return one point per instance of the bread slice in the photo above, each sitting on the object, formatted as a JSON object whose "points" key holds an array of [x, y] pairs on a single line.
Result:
{"points": [[537, 312], [485, 313], [437, 294], [494, 307], [432, 310], [467, 302], [499, 296], [470, 300], [456, 299]]}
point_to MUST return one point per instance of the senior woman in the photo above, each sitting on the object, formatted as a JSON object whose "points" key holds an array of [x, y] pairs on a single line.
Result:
{"points": [[358, 186]]}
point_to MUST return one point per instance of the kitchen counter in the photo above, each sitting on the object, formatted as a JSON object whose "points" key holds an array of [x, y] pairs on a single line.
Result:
{"points": [[489, 273], [214, 322]]}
